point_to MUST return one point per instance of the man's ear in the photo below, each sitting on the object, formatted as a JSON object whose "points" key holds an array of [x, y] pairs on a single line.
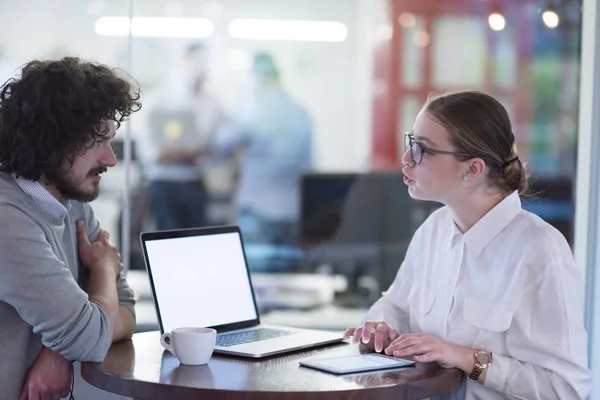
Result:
{"points": [[476, 169]]}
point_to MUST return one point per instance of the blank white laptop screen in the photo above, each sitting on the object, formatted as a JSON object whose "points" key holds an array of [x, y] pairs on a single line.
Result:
{"points": [[200, 280]]}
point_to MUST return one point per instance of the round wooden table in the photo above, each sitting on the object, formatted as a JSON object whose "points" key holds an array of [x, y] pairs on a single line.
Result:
{"points": [[141, 369]]}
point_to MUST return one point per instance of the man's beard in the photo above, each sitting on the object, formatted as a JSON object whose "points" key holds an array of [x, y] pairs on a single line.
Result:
{"points": [[71, 190]]}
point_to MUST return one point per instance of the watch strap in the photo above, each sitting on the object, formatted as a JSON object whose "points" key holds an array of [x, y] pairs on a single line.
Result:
{"points": [[476, 372]]}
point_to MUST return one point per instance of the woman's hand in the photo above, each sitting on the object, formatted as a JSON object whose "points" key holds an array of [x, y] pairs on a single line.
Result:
{"points": [[376, 335], [427, 348]]}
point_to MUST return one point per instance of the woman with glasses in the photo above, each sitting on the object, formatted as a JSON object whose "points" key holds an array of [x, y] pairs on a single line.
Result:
{"points": [[485, 286]]}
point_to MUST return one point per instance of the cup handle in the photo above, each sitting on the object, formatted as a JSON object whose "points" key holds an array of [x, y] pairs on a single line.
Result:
{"points": [[166, 340]]}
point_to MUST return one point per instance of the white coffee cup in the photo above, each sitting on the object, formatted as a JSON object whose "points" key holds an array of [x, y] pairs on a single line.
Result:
{"points": [[192, 346]]}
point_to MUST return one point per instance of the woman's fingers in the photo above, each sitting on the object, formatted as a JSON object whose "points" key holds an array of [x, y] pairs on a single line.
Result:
{"points": [[349, 332], [382, 334]]}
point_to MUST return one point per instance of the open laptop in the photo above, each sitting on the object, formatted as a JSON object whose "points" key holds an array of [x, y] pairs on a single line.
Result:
{"points": [[199, 277], [174, 129]]}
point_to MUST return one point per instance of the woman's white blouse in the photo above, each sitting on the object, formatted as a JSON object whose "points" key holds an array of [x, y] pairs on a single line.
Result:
{"points": [[508, 286]]}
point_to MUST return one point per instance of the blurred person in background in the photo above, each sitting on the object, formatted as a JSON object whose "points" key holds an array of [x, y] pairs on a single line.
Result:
{"points": [[271, 135], [176, 190], [63, 297]]}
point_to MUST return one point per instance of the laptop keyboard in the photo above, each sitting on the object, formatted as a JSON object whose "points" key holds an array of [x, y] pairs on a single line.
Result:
{"points": [[254, 335]]}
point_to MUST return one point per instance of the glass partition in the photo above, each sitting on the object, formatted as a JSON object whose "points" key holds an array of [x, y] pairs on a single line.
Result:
{"points": [[273, 115]]}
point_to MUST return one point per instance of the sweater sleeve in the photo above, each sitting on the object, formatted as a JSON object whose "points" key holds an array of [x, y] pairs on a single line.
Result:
{"points": [[125, 293], [44, 293]]}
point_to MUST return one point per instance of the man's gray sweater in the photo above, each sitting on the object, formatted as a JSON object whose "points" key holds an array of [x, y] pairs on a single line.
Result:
{"points": [[43, 299]]}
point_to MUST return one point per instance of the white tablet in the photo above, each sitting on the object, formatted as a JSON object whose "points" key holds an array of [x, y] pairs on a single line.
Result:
{"points": [[356, 363]]}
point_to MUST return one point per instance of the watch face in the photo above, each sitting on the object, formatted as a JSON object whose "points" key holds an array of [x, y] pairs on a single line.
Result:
{"points": [[484, 358]]}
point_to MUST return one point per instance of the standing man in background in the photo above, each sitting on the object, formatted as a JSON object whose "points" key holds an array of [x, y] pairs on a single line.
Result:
{"points": [[63, 297], [272, 134], [176, 188]]}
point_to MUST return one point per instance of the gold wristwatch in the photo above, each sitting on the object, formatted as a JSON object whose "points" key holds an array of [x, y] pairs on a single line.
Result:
{"points": [[483, 360]]}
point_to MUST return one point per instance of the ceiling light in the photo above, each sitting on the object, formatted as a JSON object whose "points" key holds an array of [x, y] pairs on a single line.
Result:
{"points": [[154, 27], [421, 38], [272, 29], [550, 18], [496, 21], [407, 20]]}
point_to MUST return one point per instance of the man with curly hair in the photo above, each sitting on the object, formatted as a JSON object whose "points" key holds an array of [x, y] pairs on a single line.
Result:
{"points": [[62, 295]]}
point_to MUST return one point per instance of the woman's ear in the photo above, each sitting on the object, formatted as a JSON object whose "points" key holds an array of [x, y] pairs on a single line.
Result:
{"points": [[476, 169]]}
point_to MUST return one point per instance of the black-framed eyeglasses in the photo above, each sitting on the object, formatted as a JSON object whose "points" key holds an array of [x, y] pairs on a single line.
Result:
{"points": [[417, 149]]}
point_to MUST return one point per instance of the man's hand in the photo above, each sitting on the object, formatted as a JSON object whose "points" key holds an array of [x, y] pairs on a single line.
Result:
{"points": [[100, 254], [376, 335], [427, 348], [49, 378]]}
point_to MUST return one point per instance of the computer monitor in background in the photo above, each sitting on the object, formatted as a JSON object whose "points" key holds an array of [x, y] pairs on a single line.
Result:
{"points": [[323, 197], [358, 224]]}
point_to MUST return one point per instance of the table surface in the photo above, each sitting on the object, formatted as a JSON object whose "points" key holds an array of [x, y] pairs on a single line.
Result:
{"points": [[140, 368]]}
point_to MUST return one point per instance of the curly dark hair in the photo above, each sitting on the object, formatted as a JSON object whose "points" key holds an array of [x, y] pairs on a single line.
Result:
{"points": [[54, 110]]}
